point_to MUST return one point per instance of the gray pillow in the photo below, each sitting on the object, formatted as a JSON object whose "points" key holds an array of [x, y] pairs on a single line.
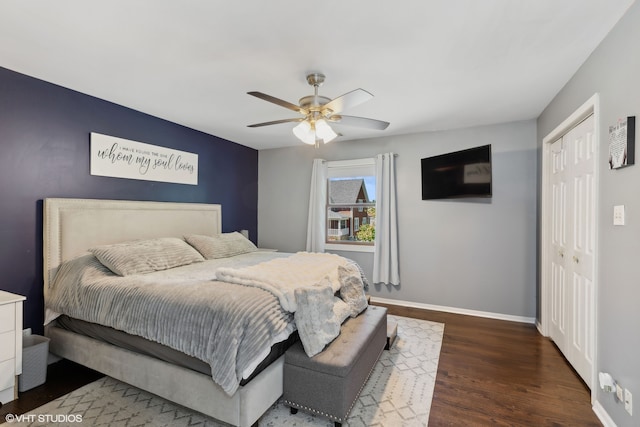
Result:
{"points": [[365, 281], [352, 289], [341, 311], [221, 245], [318, 324], [146, 256]]}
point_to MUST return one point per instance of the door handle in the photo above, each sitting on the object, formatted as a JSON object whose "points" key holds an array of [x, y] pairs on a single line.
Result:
{"points": [[576, 259]]}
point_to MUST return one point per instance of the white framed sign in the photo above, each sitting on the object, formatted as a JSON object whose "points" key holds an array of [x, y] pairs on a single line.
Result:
{"points": [[622, 139], [122, 158]]}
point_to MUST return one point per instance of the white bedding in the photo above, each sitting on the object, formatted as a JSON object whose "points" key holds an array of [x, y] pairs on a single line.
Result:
{"points": [[283, 276], [305, 283]]}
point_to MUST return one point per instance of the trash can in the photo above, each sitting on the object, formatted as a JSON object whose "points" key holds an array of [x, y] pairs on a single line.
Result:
{"points": [[35, 351]]}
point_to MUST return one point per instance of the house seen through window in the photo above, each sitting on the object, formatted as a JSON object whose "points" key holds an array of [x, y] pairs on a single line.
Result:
{"points": [[351, 210]]}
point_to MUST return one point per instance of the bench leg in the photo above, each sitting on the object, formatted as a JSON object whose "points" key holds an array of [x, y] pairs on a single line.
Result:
{"points": [[294, 411]]}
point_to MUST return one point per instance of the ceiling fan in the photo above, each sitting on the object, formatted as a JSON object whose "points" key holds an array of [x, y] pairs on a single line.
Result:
{"points": [[318, 111]]}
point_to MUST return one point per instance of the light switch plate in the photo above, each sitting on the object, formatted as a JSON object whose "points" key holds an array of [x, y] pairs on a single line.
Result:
{"points": [[618, 215], [619, 393], [628, 401]]}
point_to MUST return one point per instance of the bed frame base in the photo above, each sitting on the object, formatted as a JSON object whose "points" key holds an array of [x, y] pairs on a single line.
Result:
{"points": [[71, 227], [189, 388]]}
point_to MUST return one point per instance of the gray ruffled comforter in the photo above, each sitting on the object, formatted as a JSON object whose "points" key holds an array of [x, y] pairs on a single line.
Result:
{"points": [[229, 326]]}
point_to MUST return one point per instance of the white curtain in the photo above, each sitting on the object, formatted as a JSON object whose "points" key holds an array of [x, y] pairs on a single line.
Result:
{"points": [[385, 261], [317, 205]]}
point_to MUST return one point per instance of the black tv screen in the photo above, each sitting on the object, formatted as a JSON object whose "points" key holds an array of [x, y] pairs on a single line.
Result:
{"points": [[465, 173]]}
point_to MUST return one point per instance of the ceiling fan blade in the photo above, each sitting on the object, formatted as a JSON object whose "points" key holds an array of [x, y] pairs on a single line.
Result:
{"points": [[348, 100], [275, 122], [279, 102], [359, 121]]}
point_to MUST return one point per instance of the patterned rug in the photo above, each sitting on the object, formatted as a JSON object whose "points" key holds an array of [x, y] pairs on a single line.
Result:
{"points": [[398, 393]]}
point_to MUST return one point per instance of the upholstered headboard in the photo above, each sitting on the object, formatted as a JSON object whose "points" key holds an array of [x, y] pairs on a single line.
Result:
{"points": [[72, 226]]}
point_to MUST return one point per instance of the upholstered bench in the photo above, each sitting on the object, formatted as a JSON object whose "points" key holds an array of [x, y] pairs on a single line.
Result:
{"points": [[329, 383]]}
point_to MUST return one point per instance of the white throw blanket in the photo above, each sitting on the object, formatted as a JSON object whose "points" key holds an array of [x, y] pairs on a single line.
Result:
{"points": [[283, 276]]}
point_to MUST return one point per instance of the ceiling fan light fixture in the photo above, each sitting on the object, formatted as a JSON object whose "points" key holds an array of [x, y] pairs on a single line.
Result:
{"points": [[305, 133], [317, 111], [313, 132], [324, 131]]}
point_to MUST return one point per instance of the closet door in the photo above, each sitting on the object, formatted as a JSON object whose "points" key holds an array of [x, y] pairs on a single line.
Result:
{"points": [[581, 265], [572, 242], [558, 240]]}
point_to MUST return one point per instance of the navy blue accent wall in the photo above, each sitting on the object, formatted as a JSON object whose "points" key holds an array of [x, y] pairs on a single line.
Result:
{"points": [[44, 152]]}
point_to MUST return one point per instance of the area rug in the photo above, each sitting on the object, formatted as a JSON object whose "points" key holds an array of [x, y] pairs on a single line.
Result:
{"points": [[398, 393]]}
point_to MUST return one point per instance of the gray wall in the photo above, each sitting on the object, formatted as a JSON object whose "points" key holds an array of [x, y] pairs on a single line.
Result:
{"points": [[473, 254], [613, 71]]}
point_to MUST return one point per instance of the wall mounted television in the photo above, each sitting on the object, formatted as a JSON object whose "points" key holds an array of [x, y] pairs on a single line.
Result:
{"points": [[465, 173]]}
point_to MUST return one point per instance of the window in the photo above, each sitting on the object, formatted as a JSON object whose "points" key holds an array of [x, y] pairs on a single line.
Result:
{"points": [[351, 206]]}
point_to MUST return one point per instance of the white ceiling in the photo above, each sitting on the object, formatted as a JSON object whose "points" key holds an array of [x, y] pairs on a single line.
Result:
{"points": [[431, 64]]}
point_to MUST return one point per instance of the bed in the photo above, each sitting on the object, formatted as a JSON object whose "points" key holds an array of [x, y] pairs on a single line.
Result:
{"points": [[71, 227]]}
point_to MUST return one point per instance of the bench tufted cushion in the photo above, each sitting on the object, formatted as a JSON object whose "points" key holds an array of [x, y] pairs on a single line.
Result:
{"points": [[340, 356], [329, 382]]}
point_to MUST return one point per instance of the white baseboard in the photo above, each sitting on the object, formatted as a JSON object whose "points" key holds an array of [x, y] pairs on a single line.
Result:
{"points": [[455, 310], [602, 415]]}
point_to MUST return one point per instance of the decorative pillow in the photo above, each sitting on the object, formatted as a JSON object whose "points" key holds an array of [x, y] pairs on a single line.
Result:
{"points": [[317, 323], [365, 281], [341, 310], [146, 256], [221, 245], [352, 289]]}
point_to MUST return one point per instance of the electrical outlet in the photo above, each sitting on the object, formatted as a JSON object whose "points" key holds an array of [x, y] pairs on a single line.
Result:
{"points": [[628, 402], [619, 393]]}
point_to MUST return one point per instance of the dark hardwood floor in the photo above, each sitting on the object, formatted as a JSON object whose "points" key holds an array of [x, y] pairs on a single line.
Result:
{"points": [[500, 373], [490, 373], [62, 378]]}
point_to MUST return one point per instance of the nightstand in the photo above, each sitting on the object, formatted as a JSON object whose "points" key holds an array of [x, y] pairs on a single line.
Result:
{"points": [[10, 344]]}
